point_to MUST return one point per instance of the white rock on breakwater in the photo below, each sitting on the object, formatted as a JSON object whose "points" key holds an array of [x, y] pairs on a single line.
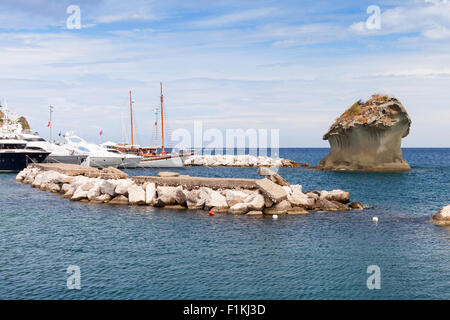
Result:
{"points": [[239, 161], [271, 195], [442, 218]]}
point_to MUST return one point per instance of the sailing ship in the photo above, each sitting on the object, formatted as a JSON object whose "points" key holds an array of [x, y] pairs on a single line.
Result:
{"points": [[156, 156]]}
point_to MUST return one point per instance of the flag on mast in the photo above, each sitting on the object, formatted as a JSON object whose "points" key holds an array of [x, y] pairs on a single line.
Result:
{"points": [[101, 132], [49, 123]]}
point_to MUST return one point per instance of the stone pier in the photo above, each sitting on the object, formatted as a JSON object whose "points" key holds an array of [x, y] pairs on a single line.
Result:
{"points": [[269, 195]]}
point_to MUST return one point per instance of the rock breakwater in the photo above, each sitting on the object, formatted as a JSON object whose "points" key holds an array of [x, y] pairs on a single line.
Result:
{"points": [[269, 195], [240, 161]]}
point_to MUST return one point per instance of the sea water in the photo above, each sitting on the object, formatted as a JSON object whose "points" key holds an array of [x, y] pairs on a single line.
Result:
{"points": [[126, 252]]}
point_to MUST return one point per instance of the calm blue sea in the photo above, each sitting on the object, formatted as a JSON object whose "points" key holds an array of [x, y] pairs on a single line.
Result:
{"points": [[147, 253]]}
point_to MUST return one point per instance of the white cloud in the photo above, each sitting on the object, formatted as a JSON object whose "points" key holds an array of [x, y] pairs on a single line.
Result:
{"points": [[234, 18], [431, 19]]}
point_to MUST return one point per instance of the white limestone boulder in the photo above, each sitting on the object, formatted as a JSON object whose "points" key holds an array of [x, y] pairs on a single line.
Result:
{"points": [[442, 217], [335, 195], [255, 201], [150, 194], [193, 200], [239, 208], [233, 197], [37, 180], [108, 187], [122, 186], [136, 195], [215, 199], [166, 196]]}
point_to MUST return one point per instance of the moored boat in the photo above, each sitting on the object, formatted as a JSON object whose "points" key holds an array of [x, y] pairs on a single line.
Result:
{"points": [[14, 154], [153, 157], [98, 157]]}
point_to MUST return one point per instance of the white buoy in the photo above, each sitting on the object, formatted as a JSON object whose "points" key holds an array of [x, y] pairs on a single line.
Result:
{"points": [[375, 219], [275, 216]]}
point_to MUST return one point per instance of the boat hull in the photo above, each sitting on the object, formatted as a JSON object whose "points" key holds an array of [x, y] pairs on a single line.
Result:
{"points": [[130, 163], [77, 159], [17, 161], [103, 162], [166, 162]]}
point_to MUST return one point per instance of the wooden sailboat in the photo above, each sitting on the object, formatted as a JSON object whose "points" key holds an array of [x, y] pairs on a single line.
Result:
{"points": [[154, 157]]}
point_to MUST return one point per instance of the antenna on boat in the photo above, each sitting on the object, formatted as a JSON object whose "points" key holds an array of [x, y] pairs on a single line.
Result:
{"points": [[162, 120], [50, 122], [5, 115], [131, 117]]}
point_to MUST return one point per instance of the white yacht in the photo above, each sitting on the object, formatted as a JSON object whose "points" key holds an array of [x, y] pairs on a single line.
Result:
{"points": [[14, 154], [98, 157], [58, 154], [130, 161]]}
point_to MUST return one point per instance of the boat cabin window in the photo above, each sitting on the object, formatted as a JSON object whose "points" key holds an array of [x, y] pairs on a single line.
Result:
{"points": [[34, 139], [84, 149], [12, 146]]}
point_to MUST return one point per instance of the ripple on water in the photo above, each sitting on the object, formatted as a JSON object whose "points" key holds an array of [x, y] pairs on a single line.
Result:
{"points": [[148, 253]]}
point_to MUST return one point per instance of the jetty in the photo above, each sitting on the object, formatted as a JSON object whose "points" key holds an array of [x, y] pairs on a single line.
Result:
{"points": [[240, 161], [269, 195]]}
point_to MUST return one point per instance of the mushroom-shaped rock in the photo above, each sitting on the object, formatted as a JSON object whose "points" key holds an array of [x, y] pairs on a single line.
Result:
{"points": [[367, 137]]}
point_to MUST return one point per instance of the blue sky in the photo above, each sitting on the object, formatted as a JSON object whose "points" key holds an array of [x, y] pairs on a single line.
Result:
{"points": [[291, 65]]}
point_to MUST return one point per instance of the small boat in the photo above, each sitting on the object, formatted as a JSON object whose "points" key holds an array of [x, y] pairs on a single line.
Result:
{"points": [[153, 157]]}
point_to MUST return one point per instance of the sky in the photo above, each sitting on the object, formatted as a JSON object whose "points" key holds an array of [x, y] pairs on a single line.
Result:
{"points": [[288, 65]]}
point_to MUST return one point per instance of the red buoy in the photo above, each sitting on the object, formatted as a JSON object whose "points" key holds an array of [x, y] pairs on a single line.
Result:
{"points": [[211, 213]]}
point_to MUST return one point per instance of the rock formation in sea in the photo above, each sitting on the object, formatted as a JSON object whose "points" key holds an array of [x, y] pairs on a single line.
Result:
{"points": [[442, 218], [367, 137]]}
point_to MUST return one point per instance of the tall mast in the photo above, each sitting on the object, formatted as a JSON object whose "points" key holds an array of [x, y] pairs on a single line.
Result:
{"points": [[51, 124], [162, 119], [131, 117]]}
